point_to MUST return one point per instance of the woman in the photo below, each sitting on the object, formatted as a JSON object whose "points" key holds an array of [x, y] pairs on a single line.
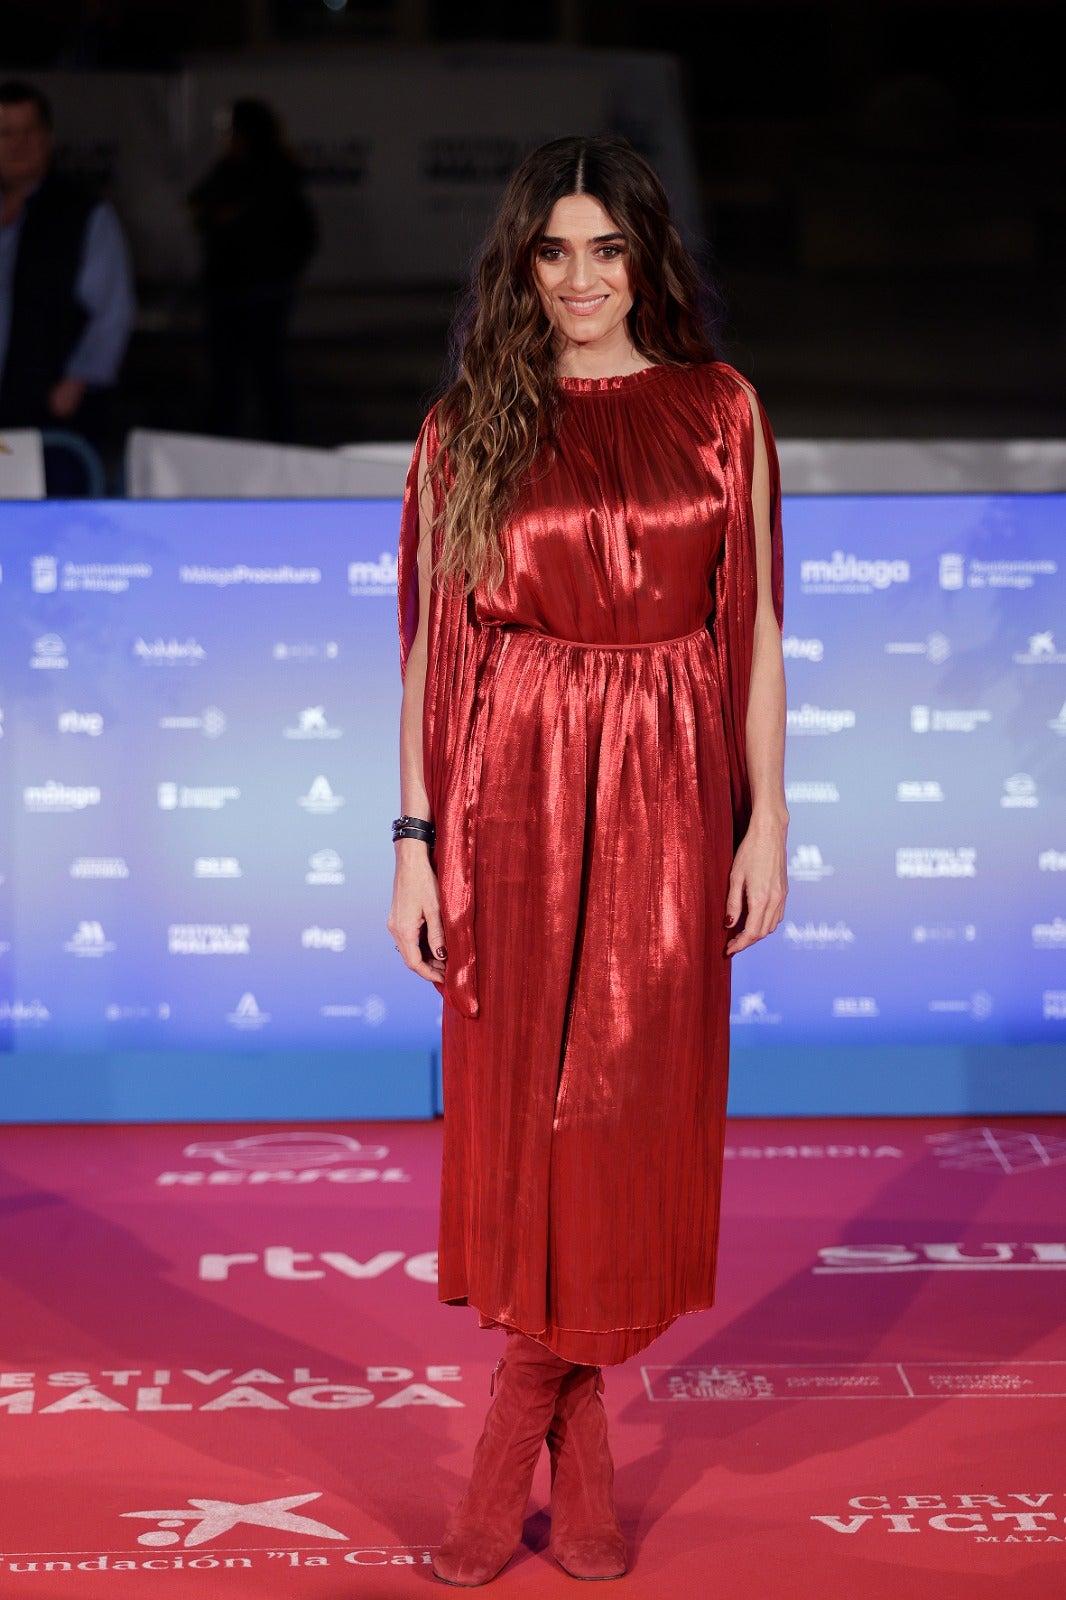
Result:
{"points": [[594, 822]]}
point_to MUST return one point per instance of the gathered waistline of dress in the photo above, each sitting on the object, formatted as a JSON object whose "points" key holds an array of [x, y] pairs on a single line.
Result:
{"points": [[510, 629]]}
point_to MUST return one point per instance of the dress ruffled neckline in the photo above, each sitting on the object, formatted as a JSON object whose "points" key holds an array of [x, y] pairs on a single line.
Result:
{"points": [[620, 381]]}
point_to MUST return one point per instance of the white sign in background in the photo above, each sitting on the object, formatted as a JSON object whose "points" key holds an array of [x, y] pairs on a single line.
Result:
{"points": [[405, 151]]}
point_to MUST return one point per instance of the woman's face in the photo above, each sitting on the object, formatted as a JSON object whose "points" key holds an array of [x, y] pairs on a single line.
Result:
{"points": [[582, 271]]}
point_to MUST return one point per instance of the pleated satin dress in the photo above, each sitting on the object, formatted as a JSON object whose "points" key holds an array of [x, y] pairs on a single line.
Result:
{"points": [[584, 757]]}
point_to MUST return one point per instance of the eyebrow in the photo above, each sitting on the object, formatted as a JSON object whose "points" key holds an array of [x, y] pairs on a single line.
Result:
{"points": [[600, 238]]}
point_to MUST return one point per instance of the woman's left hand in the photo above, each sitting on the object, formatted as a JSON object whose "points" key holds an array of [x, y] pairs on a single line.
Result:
{"points": [[758, 885]]}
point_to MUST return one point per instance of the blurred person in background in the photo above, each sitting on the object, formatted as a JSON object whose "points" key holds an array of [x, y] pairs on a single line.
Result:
{"points": [[258, 234], [591, 775], [66, 288]]}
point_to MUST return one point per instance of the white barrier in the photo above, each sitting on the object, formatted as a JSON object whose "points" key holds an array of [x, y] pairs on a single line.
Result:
{"points": [[188, 466], [21, 465], [921, 466], [162, 466]]}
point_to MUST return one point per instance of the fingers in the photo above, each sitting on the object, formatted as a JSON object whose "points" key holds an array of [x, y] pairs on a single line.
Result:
{"points": [[763, 916], [421, 946], [734, 904]]}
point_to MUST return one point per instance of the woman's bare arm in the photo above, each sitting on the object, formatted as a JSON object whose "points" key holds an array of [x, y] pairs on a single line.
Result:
{"points": [[415, 899], [758, 883]]}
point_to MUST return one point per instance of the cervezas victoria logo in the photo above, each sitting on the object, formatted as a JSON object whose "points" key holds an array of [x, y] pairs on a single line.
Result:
{"points": [[1018, 1517]]}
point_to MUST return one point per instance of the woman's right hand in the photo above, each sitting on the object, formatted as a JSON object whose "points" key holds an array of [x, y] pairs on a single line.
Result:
{"points": [[416, 905]]}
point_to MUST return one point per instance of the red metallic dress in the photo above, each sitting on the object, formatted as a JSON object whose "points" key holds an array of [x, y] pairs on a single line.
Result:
{"points": [[583, 741]]}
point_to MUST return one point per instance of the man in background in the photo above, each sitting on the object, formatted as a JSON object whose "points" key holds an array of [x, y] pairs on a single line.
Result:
{"points": [[66, 288]]}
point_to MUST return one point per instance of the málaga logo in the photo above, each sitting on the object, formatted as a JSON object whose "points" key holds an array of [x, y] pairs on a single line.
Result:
{"points": [[818, 719], [373, 577], [851, 574], [60, 797]]}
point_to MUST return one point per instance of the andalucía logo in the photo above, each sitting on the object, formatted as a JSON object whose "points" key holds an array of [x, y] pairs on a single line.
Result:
{"points": [[817, 935], [169, 652]]}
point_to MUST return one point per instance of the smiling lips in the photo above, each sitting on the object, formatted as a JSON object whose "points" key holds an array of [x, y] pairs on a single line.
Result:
{"points": [[584, 308]]}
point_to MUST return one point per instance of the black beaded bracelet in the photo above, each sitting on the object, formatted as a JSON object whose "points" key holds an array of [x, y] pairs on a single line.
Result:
{"points": [[413, 828]]}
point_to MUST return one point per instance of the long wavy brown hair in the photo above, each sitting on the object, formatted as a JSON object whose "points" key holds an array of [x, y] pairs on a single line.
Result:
{"points": [[503, 403]]}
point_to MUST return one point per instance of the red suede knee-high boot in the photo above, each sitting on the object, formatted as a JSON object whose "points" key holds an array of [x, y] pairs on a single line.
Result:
{"points": [[486, 1525], [585, 1538]]}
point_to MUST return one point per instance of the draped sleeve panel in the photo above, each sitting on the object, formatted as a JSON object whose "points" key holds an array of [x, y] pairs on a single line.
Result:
{"points": [[734, 580], [459, 656]]}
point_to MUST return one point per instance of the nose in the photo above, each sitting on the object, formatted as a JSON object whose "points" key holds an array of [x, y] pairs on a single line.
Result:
{"points": [[581, 274]]}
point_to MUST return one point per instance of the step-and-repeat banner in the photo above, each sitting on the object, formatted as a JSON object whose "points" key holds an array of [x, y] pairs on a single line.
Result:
{"points": [[199, 749]]}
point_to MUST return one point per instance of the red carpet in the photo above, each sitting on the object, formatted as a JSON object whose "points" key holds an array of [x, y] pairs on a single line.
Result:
{"points": [[224, 1371]]}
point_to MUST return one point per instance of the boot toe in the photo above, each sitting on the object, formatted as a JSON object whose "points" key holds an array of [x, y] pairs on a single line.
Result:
{"points": [[470, 1562], [591, 1556]]}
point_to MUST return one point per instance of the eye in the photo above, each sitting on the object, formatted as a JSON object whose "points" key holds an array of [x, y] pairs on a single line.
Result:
{"points": [[611, 252], [549, 252]]}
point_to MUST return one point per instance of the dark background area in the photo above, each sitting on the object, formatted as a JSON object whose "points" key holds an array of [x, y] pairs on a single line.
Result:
{"points": [[881, 187]]}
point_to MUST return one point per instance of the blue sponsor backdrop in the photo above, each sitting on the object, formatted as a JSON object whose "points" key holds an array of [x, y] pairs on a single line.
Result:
{"points": [[198, 757]]}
